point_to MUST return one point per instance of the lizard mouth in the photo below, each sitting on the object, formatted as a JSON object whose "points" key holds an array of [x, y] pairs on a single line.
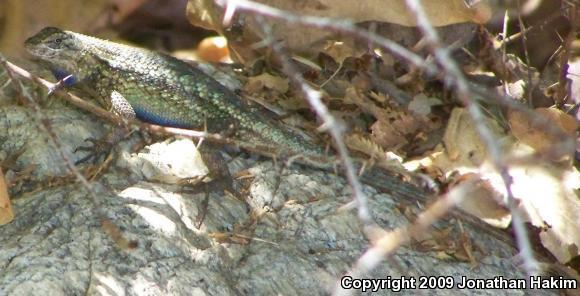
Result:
{"points": [[39, 52]]}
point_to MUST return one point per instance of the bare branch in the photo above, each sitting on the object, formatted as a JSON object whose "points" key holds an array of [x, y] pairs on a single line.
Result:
{"points": [[44, 124], [390, 241], [339, 25], [334, 128], [455, 78]]}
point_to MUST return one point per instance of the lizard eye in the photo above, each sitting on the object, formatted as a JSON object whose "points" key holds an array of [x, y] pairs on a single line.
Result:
{"points": [[55, 43]]}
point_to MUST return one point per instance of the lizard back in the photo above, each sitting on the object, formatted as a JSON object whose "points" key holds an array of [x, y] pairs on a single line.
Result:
{"points": [[161, 89]]}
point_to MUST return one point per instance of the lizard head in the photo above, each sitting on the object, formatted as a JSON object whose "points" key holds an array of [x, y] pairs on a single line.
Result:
{"points": [[55, 47]]}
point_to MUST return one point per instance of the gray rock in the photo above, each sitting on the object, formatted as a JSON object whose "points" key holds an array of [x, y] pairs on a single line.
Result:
{"points": [[291, 241]]}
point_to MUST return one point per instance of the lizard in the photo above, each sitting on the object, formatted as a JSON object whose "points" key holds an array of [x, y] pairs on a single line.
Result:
{"points": [[160, 89]]}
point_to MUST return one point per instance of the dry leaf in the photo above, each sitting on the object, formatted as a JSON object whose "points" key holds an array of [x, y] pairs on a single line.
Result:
{"points": [[392, 127], [549, 196], [547, 193], [541, 139], [6, 213], [462, 142], [266, 80], [421, 104], [391, 132], [364, 145], [299, 37], [443, 256], [359, 143], [439, 12], [464, 153], [339, 51], [484, 202], [221, 237]]}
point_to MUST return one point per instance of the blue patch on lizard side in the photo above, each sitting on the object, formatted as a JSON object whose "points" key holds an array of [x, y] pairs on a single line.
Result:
{"points": [[150, 117], [62, 74]]}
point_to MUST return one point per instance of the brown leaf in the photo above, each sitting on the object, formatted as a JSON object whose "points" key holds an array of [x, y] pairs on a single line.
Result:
{"points": [[298, 37], [391, 134], [359, 143], [421, 104], [392, 127], [542, 139], [549, 196], [268, 81], [378, 155], [6, 214], [462, 141], [484, 202]]}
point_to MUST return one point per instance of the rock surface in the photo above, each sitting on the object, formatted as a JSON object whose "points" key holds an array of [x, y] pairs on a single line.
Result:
{"points": [[295, 240]]}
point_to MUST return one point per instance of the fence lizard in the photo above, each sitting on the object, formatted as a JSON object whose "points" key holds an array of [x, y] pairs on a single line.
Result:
{"points": [[160, 89]]}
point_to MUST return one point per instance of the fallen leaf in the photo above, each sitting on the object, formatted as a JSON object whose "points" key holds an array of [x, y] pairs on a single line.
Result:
{"points": [[246, 31], [540, 138], [393, 127], [356, 142], [421, 104], [462, 142], [547, 193], [439, 12], [549, 196], [6, 213], [464, 156], [338, 50], [391, 132], [268, 81], [483, 201]]}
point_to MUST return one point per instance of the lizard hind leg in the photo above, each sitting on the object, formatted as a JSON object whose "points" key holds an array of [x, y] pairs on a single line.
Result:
{"points": [[100, 148], [217, 166], [222, 181]]}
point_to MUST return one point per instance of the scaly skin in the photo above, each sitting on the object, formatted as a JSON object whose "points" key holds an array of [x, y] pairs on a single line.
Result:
{"points": [[159, 89], [163, 90]]}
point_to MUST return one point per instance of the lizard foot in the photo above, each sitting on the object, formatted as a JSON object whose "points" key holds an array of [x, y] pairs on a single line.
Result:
{"points": [[101, 148], [98, 149]]}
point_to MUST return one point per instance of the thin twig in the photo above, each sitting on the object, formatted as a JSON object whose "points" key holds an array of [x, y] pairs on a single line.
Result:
{"points": [[456, 79], [348, 27], [391, 241], [334, 128], [104, 114], [504, 49], [339, 25], [512, 38], [67, 96], [562, 92], [529, 83], [44, 124]]}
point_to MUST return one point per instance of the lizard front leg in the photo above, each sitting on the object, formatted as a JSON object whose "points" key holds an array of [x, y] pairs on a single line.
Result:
{"points": [[102, 147]]}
